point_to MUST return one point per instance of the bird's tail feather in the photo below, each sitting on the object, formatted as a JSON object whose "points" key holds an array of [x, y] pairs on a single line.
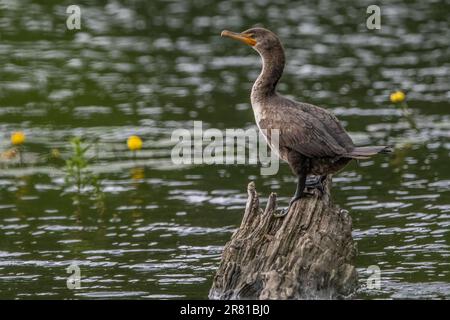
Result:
{"points": [[367, 152]]}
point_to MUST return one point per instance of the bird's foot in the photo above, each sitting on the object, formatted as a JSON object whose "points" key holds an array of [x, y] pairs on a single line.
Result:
{"points": [[316, 182], [283, 212]]}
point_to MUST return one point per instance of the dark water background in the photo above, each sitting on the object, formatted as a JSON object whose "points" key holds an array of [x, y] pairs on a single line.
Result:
{"points": [[149, 67]]}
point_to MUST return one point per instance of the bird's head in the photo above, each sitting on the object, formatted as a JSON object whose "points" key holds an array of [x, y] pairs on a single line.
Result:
{"points": [[262, 40]]}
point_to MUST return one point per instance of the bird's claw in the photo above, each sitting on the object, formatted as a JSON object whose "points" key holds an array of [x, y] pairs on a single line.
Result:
{"points": [[284, 212], [315, 183], [281, 213]]}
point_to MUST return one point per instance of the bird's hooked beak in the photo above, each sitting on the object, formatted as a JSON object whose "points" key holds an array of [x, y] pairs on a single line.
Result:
{"points": [[245, 38]]}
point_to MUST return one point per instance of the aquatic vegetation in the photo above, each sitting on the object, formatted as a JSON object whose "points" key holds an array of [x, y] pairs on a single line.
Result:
{"points": [[76, 166], [399, 99], [9, 154], [18, 138], [78, 174], [134, 143], [54, 153], [54, 157]]}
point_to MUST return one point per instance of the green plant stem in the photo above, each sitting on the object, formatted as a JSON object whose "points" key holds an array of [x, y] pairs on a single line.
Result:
{"points": [[79, 175], [79, 180], [20, 156], [408, 116]]}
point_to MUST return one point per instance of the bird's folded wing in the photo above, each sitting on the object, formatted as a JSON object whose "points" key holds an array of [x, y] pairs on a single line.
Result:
{"points": [[306, 135], [331, 123]]}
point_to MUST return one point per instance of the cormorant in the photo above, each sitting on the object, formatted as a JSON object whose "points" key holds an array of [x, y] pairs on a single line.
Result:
{"points": [[311, 139]]}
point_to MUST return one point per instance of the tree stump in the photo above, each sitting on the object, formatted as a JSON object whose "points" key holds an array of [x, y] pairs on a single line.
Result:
{"points": [[308, 254]]}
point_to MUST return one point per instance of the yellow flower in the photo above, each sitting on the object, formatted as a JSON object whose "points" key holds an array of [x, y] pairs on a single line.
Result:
{"points": [[397, 97], [17, 138], [134, 143]]}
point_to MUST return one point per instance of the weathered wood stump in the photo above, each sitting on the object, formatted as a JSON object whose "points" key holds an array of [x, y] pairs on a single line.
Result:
{"points": [[308, 254]]}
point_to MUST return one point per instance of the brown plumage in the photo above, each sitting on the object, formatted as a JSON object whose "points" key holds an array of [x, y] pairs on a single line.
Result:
{"points": [[311, 139]]}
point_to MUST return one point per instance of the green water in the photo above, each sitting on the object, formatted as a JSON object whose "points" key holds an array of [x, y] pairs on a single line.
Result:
{"points": [[149, 67]]}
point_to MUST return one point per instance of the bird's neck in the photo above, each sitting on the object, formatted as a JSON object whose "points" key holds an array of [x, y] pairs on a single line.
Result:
{"points": [[272, 69]]}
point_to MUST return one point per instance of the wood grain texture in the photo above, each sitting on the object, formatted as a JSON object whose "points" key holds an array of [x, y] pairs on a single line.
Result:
{"points": [[308, 254]]}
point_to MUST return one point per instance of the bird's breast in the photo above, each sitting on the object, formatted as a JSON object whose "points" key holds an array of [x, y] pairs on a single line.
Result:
{"points": [[268, 128]]}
